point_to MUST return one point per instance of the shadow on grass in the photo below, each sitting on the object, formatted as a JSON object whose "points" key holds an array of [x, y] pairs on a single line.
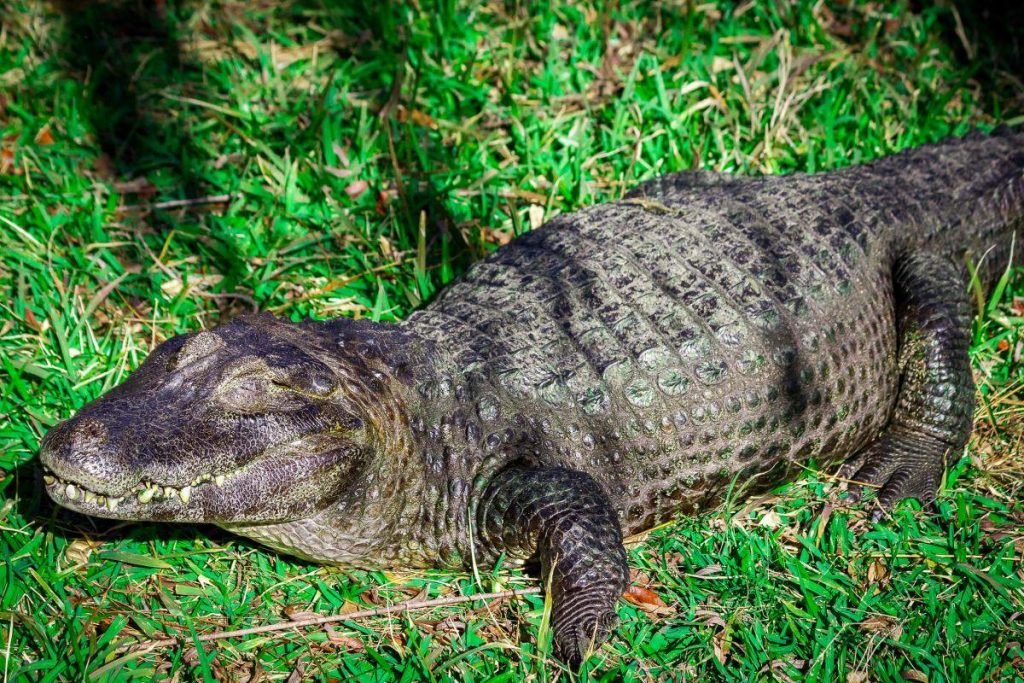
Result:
{"points": [[126, 54], [129, 56], [988, 37]]}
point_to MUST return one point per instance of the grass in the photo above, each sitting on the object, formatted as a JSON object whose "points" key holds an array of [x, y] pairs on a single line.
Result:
{"points": [[370, 152]]}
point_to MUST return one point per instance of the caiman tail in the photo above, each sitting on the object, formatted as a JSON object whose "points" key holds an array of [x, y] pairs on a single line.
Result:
{"points": [[966, 195]]}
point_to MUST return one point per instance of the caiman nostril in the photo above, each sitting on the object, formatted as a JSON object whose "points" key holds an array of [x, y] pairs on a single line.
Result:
{"points": [[88, 433]]}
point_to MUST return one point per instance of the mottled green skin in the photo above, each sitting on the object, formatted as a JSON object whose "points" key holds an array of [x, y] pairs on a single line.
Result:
{"points": [[596, 376]]}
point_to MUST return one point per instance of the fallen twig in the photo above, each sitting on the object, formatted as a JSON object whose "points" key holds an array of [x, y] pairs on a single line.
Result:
{"points": [[319, 621], [181, 203]]}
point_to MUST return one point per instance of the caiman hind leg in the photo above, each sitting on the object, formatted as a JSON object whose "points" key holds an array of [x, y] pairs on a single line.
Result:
{"points": [[934, 409], [562, 518]]}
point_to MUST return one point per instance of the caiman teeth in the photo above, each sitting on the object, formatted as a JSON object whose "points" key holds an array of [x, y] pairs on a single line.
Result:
{"points": [[144, 492]]}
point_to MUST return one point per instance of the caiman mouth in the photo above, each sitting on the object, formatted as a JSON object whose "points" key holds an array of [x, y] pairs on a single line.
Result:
{"points": [[285, 481], [63, 490]]}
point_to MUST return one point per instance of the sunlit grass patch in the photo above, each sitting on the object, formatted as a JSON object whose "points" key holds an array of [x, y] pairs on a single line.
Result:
{"points": [[164, 167]]}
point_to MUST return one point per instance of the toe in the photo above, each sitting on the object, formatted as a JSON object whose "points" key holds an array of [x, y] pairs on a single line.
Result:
{"points": [[573, 643], [894, 490], [851, 466]]}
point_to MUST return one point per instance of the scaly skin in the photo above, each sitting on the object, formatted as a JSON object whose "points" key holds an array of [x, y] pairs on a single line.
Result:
{"points": [[597, 376]]}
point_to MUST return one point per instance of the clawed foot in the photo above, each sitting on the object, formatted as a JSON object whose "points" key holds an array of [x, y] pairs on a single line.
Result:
{"points": [[580, 629], [899, 466]]}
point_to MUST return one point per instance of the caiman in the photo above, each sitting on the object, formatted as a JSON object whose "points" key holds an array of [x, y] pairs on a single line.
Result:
{"points": [[596, 377]]}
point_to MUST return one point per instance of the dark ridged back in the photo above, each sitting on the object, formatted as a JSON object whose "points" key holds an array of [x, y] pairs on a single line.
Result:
{"points": [[700, 331]]}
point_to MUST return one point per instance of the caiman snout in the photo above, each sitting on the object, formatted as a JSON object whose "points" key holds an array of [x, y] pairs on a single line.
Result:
{"points": [[78, 450], [88, 434], [77, 434]]}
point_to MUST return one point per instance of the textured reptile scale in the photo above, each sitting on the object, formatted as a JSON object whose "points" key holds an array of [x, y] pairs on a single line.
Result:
{"points": [[681, 352]]}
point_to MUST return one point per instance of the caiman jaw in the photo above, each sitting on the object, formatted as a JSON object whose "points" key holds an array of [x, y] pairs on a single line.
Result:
{"points": [[77, 496]]}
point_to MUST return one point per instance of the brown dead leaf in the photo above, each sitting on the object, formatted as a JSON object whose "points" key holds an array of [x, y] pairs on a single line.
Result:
{"points": [[857, 677], [225, 159], [79, 550], [878, 573], [140, 185], [831, 24], [32, 321], [822, 522], [349, 607], [7, 155], [717, 523], [417, 594], [883, 625], [722, 645], [356, 188], [777, 667], [387, 249], [709, 617], [915, 675], [339, 172], [196, 283], [710, 570], [416, 116], [638, 577], [298, 673], [346, 643], [720, 64], [452, 624], [1017, 306], [191, 656], [499, 237], [383, 199], [647, 600], [340, 152], [770, 520], [536, 214], [44, 136]]}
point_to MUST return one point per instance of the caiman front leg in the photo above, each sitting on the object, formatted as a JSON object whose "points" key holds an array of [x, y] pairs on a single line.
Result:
{"points": [[564, 519], [933, 415]]}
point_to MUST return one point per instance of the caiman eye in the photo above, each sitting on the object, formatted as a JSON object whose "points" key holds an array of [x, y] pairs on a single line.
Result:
{"points": [[258, 393], [249, 393], [311, 378]]}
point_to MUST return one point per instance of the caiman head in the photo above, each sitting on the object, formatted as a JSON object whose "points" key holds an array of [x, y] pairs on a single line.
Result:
{"points": [[258, 421]]}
